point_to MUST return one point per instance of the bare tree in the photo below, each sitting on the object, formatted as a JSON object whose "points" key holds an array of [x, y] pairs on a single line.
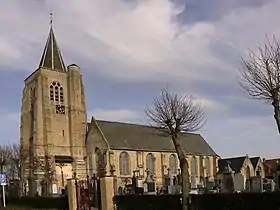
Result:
{"points": [[5, 154], [15, 161], [45, 164], [174, 115], [260, 75]]}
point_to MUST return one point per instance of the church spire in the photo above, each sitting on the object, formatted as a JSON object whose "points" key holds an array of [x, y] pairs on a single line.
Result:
{"points": [[51, 57]]}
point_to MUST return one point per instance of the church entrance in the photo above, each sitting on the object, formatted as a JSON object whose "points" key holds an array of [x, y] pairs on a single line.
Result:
{"points": [[88, 193]]}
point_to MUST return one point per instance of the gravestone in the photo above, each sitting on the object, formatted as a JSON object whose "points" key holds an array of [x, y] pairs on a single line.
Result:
{"points": [[150, 185], [168, 180], [256, 184], [239, 182], [268, 185], [228, 180]]}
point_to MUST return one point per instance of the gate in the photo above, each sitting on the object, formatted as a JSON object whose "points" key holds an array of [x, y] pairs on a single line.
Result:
{"points": [[95, 192], [88, 193]]}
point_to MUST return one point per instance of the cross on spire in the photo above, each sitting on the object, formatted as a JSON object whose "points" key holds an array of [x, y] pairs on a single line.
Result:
{"points": [[51, 18]]}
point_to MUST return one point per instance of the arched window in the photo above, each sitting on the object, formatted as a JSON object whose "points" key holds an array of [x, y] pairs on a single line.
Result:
{"points": [[56, 92], [247, 172], [247, 181], [193, 172], [201, 166], [207, 166], [173, 164], [193, 166], [124, 163], [150, 162], [98, 161]]}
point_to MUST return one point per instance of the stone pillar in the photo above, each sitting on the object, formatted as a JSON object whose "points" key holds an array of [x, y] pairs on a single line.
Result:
{"points": [[71, 191], [107, 193]]}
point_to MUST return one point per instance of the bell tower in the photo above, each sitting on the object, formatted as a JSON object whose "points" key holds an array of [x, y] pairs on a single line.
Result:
{"points": [[53, 119]]}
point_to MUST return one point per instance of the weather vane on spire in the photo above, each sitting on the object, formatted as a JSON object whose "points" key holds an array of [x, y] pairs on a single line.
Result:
{"points": [[51, 18]]}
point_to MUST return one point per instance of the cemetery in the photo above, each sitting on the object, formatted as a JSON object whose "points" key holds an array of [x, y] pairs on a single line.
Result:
{"points": [[230, 188]]}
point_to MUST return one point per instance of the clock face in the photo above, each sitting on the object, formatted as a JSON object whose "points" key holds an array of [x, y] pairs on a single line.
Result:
{"points": [[60, 109]]}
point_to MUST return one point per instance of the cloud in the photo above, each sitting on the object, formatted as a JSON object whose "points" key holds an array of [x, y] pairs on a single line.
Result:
{"points": [[122, 115], [142, 39], [128, 50]]}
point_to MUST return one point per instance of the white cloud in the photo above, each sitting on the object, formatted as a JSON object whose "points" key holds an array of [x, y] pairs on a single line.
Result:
{"points": [[136, 41], [121, 115]]}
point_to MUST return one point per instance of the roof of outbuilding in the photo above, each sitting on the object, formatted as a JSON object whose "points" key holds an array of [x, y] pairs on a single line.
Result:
{"points": [[235, 163]]}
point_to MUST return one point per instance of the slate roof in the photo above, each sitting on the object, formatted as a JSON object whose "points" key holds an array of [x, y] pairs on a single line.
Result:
{"points": [[254, 161], [51, 57], [235, 163], [142, 137]]}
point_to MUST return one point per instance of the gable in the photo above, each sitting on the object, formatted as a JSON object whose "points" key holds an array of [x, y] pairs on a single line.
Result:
{"points": [[255, 161], [124, 136]]}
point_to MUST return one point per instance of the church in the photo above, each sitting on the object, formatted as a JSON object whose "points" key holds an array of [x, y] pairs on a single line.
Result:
{"points": [[57, 139]]}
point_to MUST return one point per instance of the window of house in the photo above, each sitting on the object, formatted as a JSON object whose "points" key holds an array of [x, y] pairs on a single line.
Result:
{"points": [[124, 164], [56, 92], [173, 164], [150, 163]]}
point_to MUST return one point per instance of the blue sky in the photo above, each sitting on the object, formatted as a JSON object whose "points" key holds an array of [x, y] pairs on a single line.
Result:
{"points": [[129, 49]]}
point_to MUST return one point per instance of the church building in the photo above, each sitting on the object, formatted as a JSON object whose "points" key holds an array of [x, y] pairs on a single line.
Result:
{"points": [[58, 142]]}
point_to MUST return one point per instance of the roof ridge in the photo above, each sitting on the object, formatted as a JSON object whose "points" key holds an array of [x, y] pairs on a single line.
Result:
{"points": [[143, 125], [234, 157]]}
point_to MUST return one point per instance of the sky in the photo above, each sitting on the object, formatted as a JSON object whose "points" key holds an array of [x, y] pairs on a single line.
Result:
{"points": [[128, 50]]}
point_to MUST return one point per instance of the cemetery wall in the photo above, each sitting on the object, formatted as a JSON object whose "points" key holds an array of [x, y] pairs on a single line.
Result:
{"points": [[237, 201]]}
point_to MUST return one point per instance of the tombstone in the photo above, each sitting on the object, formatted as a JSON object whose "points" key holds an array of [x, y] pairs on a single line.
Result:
{"points": [[176, 188], [202, 181], [256, 184], [228, 179], [169, 182], [239, 182], [210, 185], [268, 185], [54, 189], [120, 190], [150, 184], [134, 182]]}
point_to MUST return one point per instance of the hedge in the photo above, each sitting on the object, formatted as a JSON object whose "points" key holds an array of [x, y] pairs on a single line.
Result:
{"points": [[220, 201], [147, 202], [55, 203]]}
